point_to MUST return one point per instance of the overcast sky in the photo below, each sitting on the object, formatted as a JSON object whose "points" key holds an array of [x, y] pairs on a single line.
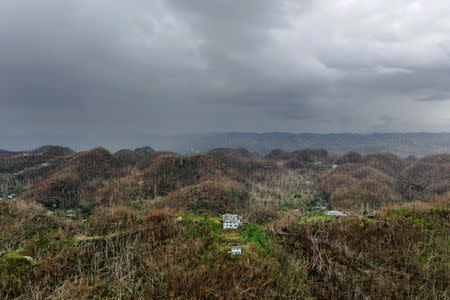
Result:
{"points": [[102, 72]]}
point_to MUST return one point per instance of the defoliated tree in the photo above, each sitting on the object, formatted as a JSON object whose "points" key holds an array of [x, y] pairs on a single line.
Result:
{"points": [[4, 186]]}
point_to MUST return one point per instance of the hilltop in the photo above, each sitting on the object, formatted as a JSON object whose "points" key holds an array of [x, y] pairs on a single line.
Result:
{"points": [[132, 157], [39, 150]]}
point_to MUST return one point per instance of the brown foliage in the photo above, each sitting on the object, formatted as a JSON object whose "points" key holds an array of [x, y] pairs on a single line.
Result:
{"points": [[165, 172], [241, 168], [76, 180], [360, 258], [411, 158], [388, 163], [129, 189], [168, 173], [52, 154], [208, 197], [367, 193], [329, 183], [353, 185], [261, 214], [126, 253], [350, 157], [426, 177], [127, 156], [302, 166], [148, 161], [279, 155], [106, 219], [57, 151], [304, 155], [137, 255], [143, 152], [335, 177], [287, 187], [311, 155]]}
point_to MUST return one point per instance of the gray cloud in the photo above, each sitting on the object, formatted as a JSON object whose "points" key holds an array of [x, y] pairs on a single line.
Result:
{"points": [[435, 98], [99, 72]]}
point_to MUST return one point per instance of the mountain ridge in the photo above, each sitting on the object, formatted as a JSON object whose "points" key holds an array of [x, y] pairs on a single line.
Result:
{"points": [[402, 144]]}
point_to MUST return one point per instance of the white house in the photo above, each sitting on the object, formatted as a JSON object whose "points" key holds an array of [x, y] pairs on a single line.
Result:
{"points": [[236, 250], [231, 217], [333, 166], [335, 213], [231, 221], [231, 224]]}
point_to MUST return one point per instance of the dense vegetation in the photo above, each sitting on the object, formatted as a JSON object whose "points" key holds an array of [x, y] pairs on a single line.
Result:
{"points": [[145, 224]]}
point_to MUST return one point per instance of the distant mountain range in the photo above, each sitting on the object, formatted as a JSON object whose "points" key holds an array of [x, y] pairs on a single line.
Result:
{"points": [[402, 144]]}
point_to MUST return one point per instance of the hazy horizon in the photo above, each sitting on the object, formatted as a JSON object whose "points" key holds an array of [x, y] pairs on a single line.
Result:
{"points": [[183, 143]]}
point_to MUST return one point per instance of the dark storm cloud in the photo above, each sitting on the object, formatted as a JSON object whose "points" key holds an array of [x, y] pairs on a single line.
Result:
{"points": [[101, 72]]}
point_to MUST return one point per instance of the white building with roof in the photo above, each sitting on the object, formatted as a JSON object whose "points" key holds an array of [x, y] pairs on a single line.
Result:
{"points": [[231, 217], [335, 213], [231, 224], [236, 250], [231, 221]]}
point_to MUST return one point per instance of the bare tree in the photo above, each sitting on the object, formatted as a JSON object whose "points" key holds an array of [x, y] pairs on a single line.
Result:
{"points": [[4, 185]]}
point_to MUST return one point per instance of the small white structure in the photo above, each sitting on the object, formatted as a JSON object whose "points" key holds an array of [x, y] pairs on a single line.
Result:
{"points": [[231, 217], [333, 166], [231, 221], [236, 250], [230, 224], [45, 164], [335, 213]]}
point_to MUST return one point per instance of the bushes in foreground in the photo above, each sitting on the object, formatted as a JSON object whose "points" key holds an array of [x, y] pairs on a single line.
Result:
{"points": [[124, 252], [402, 254], [136, 254]]}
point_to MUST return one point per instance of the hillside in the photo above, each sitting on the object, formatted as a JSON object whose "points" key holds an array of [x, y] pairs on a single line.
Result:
{"points": [[70, 185], [98, 225]]}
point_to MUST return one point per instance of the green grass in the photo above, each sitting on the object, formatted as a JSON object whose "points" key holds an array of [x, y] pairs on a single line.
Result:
{"points": [[310, 219], [412, 216], [254, 234], [322, 165], [13, 261]]}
